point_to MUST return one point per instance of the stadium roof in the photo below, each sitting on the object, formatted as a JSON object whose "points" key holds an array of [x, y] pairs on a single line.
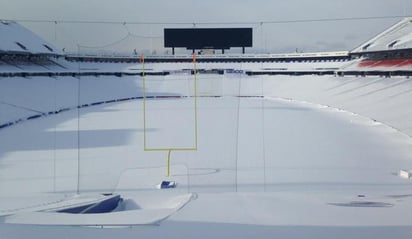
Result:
{"points": [[16, 39], [397, 37]]}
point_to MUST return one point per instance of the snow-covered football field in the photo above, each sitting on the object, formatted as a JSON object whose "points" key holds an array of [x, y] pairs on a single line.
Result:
{"points": [[274, 157]]}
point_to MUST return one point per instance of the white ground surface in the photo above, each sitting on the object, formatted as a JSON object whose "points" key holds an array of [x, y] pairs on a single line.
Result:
{"points": [[265, 167]]}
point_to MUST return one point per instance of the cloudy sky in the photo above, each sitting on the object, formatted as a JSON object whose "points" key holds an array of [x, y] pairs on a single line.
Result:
{"points": [[268, 37]]}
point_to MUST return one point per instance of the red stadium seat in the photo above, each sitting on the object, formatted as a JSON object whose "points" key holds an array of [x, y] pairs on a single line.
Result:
{"points": [[386, 63]]}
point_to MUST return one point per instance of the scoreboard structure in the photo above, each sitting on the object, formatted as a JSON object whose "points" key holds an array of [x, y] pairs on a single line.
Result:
{"points": [[208, 38]]}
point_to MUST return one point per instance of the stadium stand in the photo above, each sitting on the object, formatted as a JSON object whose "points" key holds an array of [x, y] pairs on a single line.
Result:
{"points": [[15, 39], [24, 72], [389, 53]]}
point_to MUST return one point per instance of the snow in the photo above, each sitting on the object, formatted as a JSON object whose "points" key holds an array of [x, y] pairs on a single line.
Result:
{"points": [[266, 165], [355, 66], [276, 156], [23, 97], [379, 98], [12, 32], [399, 36], [147, 215]]}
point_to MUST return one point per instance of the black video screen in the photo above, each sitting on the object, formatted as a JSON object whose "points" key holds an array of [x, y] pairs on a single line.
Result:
{"points": [[208, 38]]}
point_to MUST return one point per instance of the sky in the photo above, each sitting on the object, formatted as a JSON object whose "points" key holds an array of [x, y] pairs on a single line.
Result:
{"points": [[268, 37]]}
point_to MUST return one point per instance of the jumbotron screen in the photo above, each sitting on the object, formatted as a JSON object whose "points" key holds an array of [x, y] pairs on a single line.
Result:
{"points": [[208, 38]]}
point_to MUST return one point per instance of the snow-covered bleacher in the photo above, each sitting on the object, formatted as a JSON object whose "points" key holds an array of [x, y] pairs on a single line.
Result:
{"points": [[397, 37], [106, 80], [22, 51], [388, 53], [379, 66], [22, 98], [16, 39]]}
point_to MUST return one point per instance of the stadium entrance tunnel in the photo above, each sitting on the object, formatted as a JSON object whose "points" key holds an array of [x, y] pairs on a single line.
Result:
{"points": [[107, 204]]}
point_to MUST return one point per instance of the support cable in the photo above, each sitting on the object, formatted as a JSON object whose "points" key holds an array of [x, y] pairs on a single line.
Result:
{"points": [[212, 23], [237, 131]]}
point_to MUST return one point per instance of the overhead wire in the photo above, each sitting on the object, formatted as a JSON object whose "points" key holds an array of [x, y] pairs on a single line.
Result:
{"points": [[109, 44], [139, 36], [124, 38], [263, 127], [78, 126], [55, 136], [237, 130], [255, 24], [106, 45], [211, 23]]}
